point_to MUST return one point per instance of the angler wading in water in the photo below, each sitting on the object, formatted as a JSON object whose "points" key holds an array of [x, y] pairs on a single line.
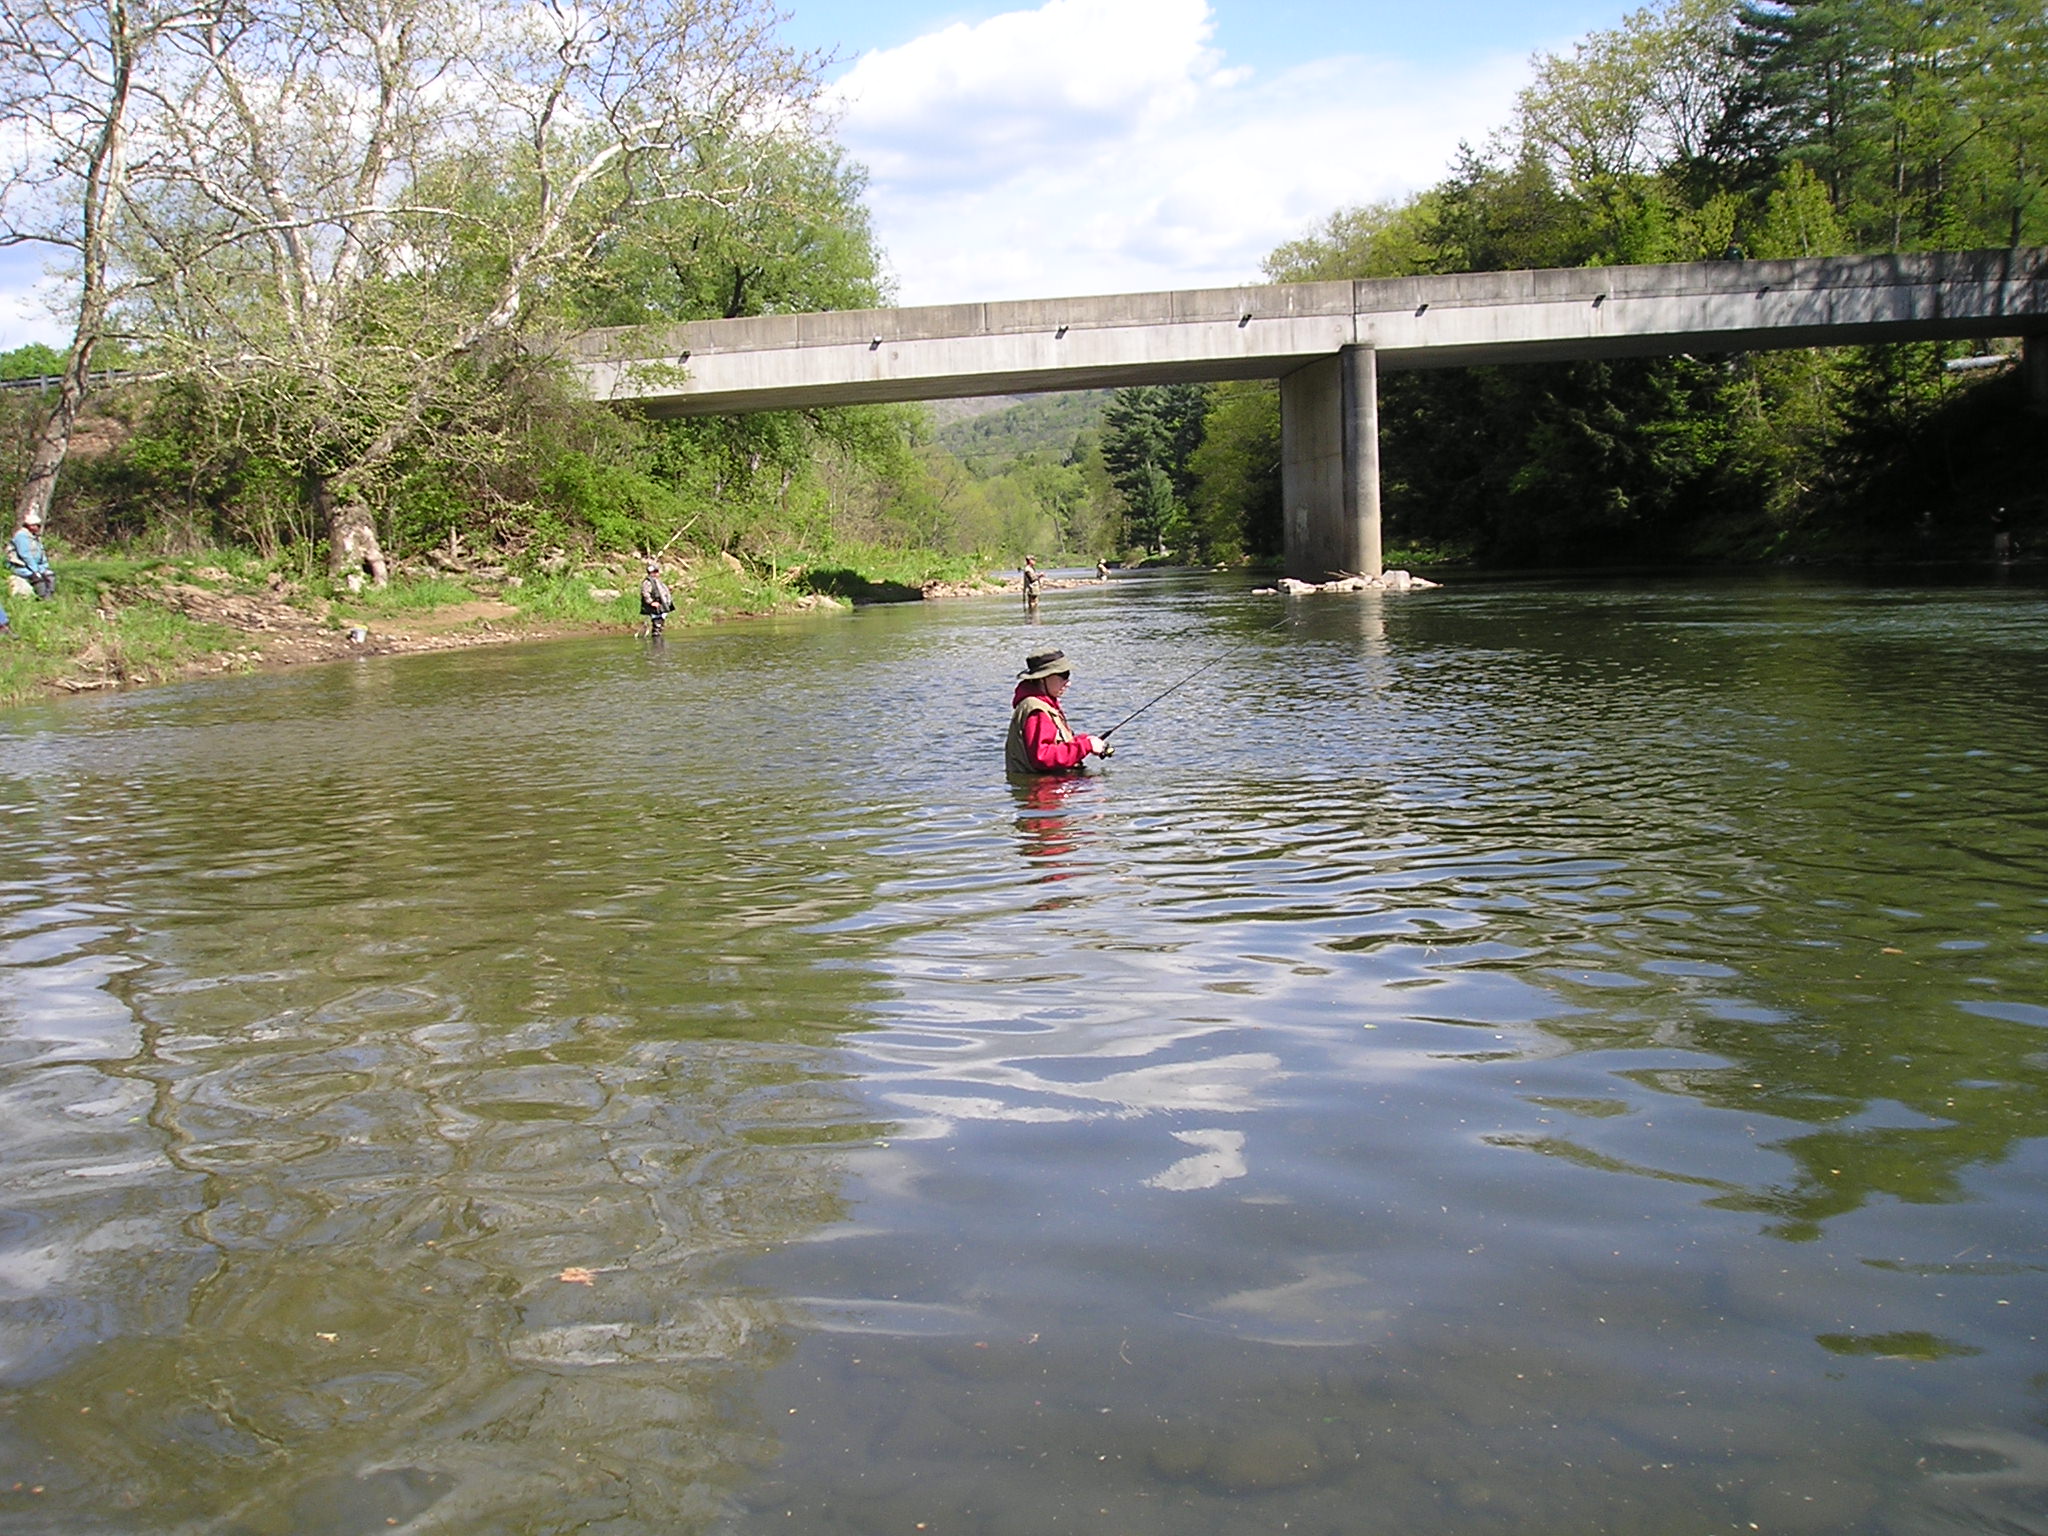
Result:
{"points": [[656, 602], [1040, 739]]}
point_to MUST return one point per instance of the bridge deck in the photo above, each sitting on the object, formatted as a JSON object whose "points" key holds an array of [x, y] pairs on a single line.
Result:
{"points": [[845, 357]]}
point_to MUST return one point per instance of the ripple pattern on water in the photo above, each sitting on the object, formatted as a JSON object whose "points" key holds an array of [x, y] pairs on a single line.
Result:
{"points": [[1511, 1059]]}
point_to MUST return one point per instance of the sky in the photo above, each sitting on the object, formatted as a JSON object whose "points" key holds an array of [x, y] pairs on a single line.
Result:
{"points": [[1117, 146]]}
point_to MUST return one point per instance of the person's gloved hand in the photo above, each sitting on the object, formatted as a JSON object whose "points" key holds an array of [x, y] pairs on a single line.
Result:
{"points": [[1098, 746]]}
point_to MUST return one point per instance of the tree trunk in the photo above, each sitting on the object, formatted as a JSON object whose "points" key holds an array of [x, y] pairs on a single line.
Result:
{"points": [[352, 547], [104, 174], [54, 441]]}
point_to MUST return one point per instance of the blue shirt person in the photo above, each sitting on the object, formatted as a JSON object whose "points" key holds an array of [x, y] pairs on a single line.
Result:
{"points": [[28, 566]]}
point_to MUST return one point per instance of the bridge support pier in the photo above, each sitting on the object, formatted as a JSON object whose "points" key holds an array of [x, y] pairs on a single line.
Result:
{"points": [[1330, 466], [2033, 365]]}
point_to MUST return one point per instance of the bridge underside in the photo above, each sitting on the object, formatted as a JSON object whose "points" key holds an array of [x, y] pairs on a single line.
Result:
{"points": [[730, 397], [1326, 343]]}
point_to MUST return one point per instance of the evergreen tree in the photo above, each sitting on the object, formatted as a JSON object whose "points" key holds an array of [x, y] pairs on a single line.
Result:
{"points": [[1149, 437]]}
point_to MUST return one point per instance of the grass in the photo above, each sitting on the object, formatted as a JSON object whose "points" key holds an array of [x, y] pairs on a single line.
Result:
{"points": [[93, 634], [881, 566], [405, 594]]}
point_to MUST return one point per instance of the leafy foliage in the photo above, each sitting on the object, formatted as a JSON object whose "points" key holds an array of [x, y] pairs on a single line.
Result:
{"points": [[34, 361], [1235, 472], [1149, 436], [986, 440]]}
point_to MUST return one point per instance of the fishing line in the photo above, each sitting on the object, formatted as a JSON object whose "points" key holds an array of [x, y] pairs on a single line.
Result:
{"points": [[1205, 666]]}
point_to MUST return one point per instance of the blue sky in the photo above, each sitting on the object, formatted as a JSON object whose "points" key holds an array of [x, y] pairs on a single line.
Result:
{"points": [[1264, 34], [1107, 146], [1103, 146]]}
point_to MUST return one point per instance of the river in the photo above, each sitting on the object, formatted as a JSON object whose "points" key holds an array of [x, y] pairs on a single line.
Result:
{"points": [[1522, 1057]]}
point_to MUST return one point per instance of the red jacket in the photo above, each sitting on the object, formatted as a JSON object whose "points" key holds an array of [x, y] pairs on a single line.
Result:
{"points": [[1043, 751]]}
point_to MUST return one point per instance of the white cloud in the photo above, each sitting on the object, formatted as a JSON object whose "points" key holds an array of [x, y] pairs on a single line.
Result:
{"points": [[972, 102], [1221, 1158], [1101, 146]]}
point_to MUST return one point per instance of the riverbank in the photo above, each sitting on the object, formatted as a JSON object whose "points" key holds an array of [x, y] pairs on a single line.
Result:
{"points": [[117, 623]]}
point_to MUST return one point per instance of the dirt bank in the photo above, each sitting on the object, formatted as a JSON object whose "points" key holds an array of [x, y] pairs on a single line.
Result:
{"points": [[275, 626], [279, 625], [121, 623]]}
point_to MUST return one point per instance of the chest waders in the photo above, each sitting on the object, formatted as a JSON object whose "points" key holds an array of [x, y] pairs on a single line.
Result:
{"points": [[1015, 758]]}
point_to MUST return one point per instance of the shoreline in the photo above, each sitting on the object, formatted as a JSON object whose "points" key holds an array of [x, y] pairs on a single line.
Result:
{"points": [[220, 625]]}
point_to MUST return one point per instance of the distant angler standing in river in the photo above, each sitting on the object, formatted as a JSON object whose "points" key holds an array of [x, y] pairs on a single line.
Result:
{"points": [[1040, 740], [656, 602]]}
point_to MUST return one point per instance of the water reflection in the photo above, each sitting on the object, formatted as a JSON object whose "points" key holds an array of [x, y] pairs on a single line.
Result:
{"points": [[1048, 808], [380, 1134]]}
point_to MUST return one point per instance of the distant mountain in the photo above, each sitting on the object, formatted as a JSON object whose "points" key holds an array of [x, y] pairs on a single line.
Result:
{"points": [[1009, 426], [946, 412]]}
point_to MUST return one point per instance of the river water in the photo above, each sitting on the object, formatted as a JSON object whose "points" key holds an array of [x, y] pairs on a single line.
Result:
{"points": [[1512, 1058]]}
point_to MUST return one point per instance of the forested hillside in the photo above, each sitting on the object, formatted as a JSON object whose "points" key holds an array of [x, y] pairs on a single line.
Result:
{"points": [[335, 323], [1032, 424]]}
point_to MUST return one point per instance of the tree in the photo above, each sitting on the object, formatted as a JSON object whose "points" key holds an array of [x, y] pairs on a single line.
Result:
{"points": [[1149, 435], [1629, 123], [1496, 213], [1645, 97], [1926, 120], [799, 241], [33, 361], [1236, 507], [1384, 239], [382, 203], [2004, 88], [73, 79]]}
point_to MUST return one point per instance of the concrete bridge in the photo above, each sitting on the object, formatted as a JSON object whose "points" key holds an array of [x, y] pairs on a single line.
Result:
{"points": [[1326, 343]]}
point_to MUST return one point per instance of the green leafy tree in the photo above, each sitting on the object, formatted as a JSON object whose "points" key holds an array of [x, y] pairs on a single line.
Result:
{"points": [[1384, 239], [381, 203], [1924, 119], [1097, 527], [1497, 212], [798, 241], [82, 83], [33, 361], [1149, 436], [1235, 508]]}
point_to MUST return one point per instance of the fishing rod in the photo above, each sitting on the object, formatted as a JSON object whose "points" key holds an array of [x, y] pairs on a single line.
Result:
{"points": [[1205, 666], [677, 535]]}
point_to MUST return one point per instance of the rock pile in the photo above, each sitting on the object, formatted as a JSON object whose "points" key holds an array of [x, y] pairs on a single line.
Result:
{"points": [[1386, 581]]}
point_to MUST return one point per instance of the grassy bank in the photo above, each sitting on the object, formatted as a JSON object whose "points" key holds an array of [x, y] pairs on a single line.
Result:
{"points": [[119, 620], [89, 636]]}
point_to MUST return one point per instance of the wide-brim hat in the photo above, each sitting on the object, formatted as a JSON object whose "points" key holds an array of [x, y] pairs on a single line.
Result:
{"points": [[1044, 664]]}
